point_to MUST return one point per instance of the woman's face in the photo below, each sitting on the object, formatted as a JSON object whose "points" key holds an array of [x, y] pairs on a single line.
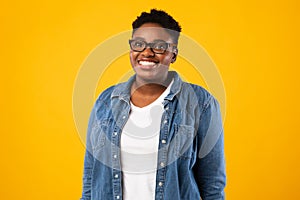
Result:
{"points": [[151, 67]]}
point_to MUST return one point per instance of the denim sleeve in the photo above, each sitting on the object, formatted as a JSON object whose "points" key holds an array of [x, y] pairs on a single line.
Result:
{"points": [[88, 161], [209, 169]]}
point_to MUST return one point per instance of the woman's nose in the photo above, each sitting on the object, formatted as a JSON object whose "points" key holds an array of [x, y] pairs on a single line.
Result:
{"points": [[148, 52]]}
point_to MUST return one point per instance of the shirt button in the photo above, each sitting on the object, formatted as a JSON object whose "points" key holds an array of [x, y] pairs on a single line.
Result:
{"points": [[167, 108], [164, 141], [115, 156], [116, 176], [124, 117], [162, 164], [118, 197], [165, 121], [115, 133], [160, 184]]}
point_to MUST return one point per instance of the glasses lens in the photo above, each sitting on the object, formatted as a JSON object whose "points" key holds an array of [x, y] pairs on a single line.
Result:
{"points": [[137, 45], [160, 47]]}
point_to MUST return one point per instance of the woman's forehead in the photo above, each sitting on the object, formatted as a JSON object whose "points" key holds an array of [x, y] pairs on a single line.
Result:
{"points": [[152, 34]]}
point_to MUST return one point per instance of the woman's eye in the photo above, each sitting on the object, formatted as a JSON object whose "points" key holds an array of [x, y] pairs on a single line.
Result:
{"points": [[160, 46], [138, 44]]}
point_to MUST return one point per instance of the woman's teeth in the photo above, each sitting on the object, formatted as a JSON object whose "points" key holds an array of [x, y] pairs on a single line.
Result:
{"points": [[147, 63]]}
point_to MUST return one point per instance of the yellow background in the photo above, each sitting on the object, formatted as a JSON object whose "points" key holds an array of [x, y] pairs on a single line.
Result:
{"points": [[255, 45]]}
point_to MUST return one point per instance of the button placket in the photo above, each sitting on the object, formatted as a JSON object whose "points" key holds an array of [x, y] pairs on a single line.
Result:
{"points": [[115, 153], [162, 153]]}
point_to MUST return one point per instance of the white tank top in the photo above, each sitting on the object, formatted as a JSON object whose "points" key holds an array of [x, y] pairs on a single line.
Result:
{"points": [[139, 148]]}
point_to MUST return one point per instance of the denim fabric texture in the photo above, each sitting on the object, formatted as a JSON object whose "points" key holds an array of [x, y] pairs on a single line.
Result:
{"points": [[190, 163]]}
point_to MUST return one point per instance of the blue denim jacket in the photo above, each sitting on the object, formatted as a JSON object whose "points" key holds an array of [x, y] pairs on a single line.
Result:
{"points": [[190, 161]]}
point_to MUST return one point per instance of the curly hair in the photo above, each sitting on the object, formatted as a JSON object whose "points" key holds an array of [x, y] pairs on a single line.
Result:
{"points": [[159, 17]]}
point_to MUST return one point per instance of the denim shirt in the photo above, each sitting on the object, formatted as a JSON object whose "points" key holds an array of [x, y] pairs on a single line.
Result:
{"points": [[190, 160]]}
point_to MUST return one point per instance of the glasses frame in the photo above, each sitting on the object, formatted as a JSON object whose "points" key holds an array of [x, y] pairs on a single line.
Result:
{"points": [[151, 44]]}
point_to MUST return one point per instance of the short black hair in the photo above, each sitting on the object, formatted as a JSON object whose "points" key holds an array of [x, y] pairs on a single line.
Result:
{"points": [[159, 17]]}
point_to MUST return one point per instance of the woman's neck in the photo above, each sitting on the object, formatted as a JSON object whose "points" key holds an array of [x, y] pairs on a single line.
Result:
{"points": [[142, 94], [150, 88]]}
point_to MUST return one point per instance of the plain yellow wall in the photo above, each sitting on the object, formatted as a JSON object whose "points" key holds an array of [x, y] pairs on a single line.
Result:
{"points": [[254, 44]]}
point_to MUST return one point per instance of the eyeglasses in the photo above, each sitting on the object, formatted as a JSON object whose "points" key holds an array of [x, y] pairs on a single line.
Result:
{"points": [[158, 47]]}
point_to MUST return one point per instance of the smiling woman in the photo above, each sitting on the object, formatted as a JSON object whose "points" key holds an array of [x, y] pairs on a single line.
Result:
{"points": [[150, 66], [145, 136]]}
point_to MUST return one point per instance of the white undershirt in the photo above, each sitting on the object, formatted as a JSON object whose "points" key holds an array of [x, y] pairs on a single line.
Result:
{"points": [[139, 146]]}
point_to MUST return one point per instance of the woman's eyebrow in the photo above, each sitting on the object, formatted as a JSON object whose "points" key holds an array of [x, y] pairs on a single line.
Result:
{"points": [[140, 38], [159, 40]]}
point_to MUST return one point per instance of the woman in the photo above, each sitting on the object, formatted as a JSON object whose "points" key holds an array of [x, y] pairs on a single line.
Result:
{"points": [[154, 136]]}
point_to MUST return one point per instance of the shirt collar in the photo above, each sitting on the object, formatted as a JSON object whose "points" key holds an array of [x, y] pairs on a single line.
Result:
{"points": [[122, 90]]}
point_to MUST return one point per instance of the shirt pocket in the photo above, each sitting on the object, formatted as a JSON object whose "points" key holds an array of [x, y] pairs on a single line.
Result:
{"points": [[183, 141], [98, 136]]}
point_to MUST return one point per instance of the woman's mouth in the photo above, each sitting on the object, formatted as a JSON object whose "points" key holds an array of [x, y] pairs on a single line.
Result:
{"points": [[147, 63]]}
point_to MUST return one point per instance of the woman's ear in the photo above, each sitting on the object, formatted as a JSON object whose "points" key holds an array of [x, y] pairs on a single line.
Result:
{"points": [[174, 58], [175, 52]]}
